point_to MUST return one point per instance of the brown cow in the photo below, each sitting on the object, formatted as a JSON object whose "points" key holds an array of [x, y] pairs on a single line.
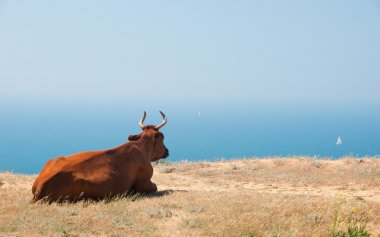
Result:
{"points": [[107, 173]]}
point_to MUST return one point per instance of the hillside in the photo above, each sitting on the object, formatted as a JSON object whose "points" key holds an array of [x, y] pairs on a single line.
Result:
{"points": [[248, 197]]}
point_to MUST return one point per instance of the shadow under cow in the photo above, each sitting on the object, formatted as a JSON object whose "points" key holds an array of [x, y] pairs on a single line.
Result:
{"points": [[131, 196], [157, 194]]}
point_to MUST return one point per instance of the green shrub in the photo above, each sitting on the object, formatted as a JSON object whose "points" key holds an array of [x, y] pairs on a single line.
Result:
{"points": [[352, 231], [356, 227]]}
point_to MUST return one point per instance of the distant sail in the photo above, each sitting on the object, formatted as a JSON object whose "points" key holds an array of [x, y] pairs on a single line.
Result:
{"points": [[339, 141]]}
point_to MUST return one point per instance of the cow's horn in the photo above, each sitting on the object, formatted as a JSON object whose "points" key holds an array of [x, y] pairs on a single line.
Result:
{"points": [[163, 122], [141, 122]]}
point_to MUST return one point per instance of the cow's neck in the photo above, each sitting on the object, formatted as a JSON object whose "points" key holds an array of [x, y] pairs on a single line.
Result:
{"points": [[146, 145]]}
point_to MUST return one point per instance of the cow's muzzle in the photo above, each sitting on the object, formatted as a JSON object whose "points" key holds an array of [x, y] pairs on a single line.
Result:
{"points": [[166, 154]]}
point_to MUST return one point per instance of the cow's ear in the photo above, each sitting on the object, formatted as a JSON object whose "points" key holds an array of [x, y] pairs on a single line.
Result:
{"points": [[134, 137]]}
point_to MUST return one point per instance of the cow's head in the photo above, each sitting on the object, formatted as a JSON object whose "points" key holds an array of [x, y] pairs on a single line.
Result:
{"points": [[152, 136]]}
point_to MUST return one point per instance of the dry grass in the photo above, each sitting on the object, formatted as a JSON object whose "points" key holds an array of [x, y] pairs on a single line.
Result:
{"points": [[250, 197]]}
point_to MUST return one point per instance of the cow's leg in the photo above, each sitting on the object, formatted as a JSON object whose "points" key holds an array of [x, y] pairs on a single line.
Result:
{"points": [[145, 187]]}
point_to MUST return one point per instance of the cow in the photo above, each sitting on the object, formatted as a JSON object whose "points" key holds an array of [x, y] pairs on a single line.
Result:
{"points": [[104, 174]]}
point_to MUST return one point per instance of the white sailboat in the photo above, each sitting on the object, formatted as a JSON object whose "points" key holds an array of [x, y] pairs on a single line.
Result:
{"points": [[339, 141]]}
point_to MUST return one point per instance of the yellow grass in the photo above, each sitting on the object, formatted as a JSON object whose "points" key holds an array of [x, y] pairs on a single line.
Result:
{"points": [[249, 197]]}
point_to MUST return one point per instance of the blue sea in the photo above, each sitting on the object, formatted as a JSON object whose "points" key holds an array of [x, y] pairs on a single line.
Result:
{"points": [[30, 136]]}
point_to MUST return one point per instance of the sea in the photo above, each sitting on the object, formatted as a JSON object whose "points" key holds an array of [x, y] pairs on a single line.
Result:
{"points": [[30, 136]]}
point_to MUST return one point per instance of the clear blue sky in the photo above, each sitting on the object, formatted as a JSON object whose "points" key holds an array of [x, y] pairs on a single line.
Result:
{"points": [[247, 52]]}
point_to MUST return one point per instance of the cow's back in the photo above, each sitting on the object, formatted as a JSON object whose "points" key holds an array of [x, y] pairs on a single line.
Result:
{"points": [[86, 174]]}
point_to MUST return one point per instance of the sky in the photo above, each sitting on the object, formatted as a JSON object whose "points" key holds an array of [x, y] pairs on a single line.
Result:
{"points": [[101, 53]]}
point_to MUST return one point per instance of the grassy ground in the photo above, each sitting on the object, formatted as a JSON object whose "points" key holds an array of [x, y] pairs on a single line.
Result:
{"points": [[249, 197]]}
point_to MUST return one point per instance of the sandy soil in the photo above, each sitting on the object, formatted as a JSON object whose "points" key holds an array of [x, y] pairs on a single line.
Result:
{"points": [[232, 176]]}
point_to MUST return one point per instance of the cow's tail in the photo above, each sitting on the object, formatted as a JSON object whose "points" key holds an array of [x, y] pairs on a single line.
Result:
{"points": [[33, 200], [36, 194]]}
